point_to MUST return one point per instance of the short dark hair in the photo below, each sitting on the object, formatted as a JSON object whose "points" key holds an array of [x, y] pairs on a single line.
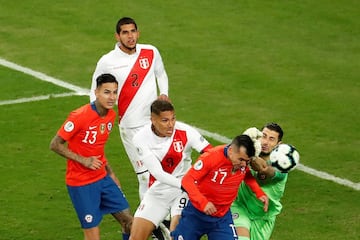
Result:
{"points": [[123, 21], [275, 127], [105, 78], [159, 106], [245, 141]]}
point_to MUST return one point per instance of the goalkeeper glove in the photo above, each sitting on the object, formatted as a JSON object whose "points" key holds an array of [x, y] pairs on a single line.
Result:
{"points": [[255, 135]]}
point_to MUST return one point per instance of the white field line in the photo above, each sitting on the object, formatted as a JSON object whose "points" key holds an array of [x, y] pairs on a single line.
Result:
{"points": [[215, 136], [43, 77], [329, 177], [300, 167], [38, 98]]}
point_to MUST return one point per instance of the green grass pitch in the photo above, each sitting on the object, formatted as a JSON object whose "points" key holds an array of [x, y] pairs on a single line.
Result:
{"points": [[231, 65]]}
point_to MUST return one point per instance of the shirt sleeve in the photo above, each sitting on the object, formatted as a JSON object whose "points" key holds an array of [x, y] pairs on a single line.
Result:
{"points": [[154, 166], [278, 176], [155, 169], [161, 75], [70, 127], [189, 183], [252, 183], [207, 148]]}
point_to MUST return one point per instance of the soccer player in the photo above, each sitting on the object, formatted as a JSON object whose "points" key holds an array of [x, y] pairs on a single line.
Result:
{"points": [[165, 147], [249, 219], [140, 71], [212, 185], [92, 185]]}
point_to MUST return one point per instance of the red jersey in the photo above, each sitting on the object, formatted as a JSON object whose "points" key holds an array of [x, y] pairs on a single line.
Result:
{"points": [[211, 179], [86, 134]]}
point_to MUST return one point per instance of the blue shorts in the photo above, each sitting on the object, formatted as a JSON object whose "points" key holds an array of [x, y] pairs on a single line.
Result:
{"points": [[94, 200], [194, 224]]}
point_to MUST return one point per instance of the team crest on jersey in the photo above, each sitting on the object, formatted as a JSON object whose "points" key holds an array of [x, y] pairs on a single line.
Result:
{"points": [[109, 126], [102, 128], [144, 63], [178, 146]]}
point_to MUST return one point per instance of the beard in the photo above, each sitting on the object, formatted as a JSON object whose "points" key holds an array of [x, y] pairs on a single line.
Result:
{"points": [[128, 48], [264, 154]]}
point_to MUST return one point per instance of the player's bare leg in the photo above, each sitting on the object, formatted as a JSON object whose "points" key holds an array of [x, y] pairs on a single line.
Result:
{"points": [[141, 229], [125, 219], [243, 232], [92, 233]]}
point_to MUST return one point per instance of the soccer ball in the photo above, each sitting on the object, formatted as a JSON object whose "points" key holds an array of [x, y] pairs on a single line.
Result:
{"points": [[284, 158]]}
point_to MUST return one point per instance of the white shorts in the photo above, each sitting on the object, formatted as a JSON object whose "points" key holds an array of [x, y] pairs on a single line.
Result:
{"points": [[126, 135], [156, 207]]}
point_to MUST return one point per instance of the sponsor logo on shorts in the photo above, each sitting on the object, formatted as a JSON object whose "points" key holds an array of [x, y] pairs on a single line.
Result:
{"points": [[141, 207], [88, 218]]}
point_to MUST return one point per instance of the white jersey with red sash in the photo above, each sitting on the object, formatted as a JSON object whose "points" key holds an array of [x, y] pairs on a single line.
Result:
{"points": [[168, 158], [140, 75], [174, 154], [134, 80]]}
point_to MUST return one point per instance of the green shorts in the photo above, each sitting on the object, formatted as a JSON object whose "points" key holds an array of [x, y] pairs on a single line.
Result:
{"points": [[259, 228]]}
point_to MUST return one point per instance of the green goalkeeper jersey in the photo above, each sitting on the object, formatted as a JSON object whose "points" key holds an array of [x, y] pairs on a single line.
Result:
{"points": [[274, 189]]}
